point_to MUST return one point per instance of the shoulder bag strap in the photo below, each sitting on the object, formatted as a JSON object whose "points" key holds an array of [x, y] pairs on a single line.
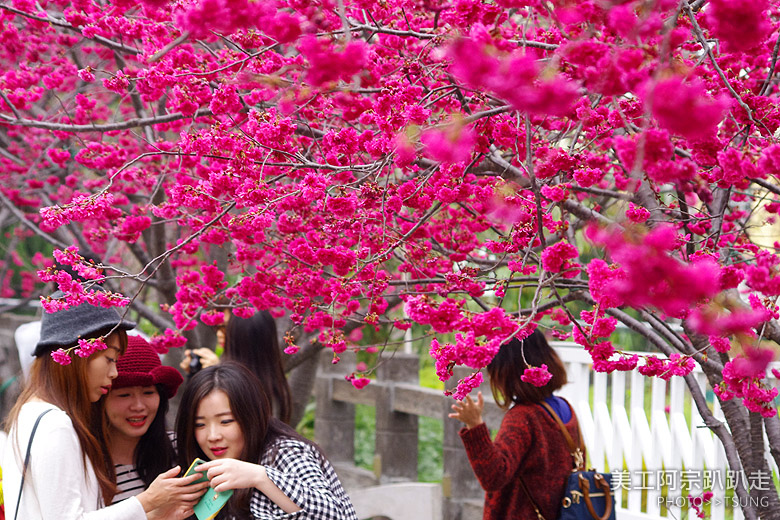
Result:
{"points": [[577, 450], [27, 459], [539, 514]]}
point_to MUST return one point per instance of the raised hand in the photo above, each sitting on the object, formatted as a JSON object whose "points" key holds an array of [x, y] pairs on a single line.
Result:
{"points": [[207, 358], [469, 412]]}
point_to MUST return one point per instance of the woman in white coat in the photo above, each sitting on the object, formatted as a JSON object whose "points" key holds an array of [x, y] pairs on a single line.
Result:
{"points": [[62, 471]]}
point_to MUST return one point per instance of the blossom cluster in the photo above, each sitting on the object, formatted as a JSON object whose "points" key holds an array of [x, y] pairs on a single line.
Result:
{"points": [[84, 349], [743, 377], [427, 165], [697, 503], [649, 276]]}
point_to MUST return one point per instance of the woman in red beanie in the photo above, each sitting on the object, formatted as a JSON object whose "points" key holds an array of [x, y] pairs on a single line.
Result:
{"points": [[135, 411]]}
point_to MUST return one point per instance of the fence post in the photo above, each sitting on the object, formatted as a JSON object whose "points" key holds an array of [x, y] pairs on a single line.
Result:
{"points": [[463, 496], [396, 432], [334, 421]]}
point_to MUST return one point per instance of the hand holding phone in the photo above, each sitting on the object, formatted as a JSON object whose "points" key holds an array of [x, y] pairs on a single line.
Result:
{"points": [[212, 501]]}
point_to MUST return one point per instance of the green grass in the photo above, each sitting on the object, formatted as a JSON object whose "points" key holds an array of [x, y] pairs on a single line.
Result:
{"points": [[365, 440], [429, 452]]}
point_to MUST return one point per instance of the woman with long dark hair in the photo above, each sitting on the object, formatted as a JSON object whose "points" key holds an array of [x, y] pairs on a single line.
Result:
{"points": [[528, 463], [134, 410], [225, 417], [54, 466], [254, 343]]}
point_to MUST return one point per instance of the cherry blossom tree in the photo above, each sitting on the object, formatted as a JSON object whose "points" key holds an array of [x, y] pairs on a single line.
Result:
{"points": [[468, 168]]}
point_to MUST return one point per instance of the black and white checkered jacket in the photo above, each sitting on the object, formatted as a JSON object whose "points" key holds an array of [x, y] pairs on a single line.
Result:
{"points": [[303, 474]]}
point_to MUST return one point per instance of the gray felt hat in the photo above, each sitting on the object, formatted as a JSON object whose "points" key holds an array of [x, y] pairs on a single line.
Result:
{"points": [[64, 328]]}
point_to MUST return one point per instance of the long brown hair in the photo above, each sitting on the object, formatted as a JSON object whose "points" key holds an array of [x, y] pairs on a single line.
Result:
{"points": [[251, 409], [511, 361], [65, 386]]}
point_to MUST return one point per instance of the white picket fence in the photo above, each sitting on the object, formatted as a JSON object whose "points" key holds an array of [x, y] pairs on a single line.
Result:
{"points": [[644, 449]]}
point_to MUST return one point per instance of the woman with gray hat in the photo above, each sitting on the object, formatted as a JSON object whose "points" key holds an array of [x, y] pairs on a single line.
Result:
{"points": [[55, 465]]}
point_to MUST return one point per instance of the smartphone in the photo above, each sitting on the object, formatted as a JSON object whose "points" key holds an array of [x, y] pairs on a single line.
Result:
{"points": [[211, 502], [191, 470]]}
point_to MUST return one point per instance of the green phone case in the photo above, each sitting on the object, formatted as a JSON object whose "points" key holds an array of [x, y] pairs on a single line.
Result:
{"points": [[211, 502]]}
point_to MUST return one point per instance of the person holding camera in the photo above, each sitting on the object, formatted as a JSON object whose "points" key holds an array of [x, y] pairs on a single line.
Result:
{"points": [[254, 343]]}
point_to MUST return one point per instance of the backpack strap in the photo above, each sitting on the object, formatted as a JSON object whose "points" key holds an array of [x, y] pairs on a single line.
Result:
{"points": [[577, 450], [27, 459]]}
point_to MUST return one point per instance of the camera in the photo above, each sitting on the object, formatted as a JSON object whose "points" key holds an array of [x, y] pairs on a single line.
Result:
{"points": [[195, 364]]}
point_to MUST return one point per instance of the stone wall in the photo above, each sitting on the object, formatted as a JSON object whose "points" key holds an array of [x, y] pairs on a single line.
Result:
{"points": [[399, 402]]}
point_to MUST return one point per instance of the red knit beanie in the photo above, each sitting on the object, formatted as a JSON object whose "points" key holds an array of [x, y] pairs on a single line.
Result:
{"points": [[140, 366]]}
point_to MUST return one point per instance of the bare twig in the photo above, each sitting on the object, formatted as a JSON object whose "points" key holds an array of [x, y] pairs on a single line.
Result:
{"points": [[29, 225], [11, 105], [168, 48], [706, 47], [768, 80]]}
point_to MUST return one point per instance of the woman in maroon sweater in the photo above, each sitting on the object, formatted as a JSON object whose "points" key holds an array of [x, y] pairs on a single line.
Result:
{"points": [[529, 443]]}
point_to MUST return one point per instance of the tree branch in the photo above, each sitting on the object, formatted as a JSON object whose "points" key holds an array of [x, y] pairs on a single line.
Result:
{"points": [[158, 320], [584, 212], [767, 185], [517, 175], [11, 105], [108, 127], [168, 48], [29, 225], [734, 438], [487, 113], [772, 427], [65, 25], [768, 80]]}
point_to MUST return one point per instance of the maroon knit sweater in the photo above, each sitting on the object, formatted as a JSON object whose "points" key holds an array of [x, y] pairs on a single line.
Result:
{"points": [[529, 443]]}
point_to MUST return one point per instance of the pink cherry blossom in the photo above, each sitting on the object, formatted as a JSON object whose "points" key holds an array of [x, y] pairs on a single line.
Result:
{"points": [[537, 376], [651, 276], [558, 257], [466, 385], [739, 24], [637, 214], [61, 357], [360, 382], [671, 97], [452, 145]]}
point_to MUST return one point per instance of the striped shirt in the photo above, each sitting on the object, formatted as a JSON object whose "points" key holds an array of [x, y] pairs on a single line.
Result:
{"points": [[128, 483]]}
